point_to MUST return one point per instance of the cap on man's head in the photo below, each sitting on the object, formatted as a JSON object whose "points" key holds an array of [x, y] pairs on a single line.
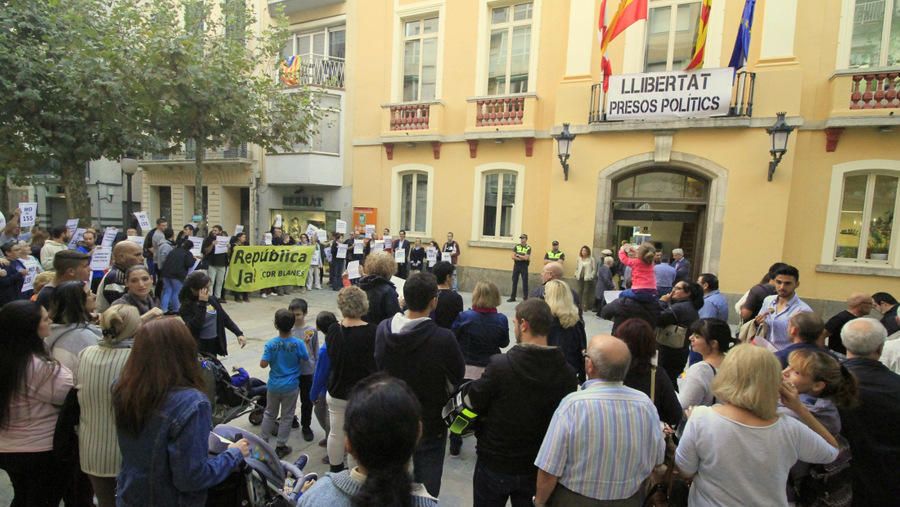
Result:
{"points": [[523, 236], [555, 243]]}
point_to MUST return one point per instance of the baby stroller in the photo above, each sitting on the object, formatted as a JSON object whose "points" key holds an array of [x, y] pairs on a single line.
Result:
{"points": [[263, 480], [230, 397]]}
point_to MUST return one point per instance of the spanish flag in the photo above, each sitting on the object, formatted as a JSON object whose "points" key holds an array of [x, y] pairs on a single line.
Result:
{"points": [[629, 12], [700, 45]]}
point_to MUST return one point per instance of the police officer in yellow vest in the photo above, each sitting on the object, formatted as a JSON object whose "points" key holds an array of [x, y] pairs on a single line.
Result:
{"points": [[554, 255], [521, 257]]}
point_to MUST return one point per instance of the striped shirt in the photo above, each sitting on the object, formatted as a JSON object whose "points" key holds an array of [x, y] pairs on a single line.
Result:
{"points": [[603, 441], [99, 367]]}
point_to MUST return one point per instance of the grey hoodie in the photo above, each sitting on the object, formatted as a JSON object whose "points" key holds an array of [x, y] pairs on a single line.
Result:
{"points": [[66, 341]]}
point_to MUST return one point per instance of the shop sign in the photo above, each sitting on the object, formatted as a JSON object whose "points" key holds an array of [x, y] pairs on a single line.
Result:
{"points": [[303, 201]]}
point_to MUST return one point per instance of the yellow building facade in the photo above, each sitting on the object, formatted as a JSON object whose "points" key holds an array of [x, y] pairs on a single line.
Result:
{"points": [[455, 105]]}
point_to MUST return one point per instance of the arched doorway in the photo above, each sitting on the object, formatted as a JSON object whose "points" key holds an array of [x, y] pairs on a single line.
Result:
{"points": [[663, 205], [645, 190]]}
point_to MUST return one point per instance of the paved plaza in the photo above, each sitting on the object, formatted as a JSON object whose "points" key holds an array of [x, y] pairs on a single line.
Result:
{"points": [[255, 319]]}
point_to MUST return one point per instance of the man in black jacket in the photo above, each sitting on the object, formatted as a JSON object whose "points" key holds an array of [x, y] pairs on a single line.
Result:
{"points": [[515, 399], [871, 428], [411, 347]]}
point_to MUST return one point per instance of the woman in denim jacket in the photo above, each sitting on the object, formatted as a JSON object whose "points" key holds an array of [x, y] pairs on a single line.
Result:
{"points": [[163, 421]]}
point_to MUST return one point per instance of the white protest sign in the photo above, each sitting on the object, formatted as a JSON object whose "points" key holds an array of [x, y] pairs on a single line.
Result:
{"points": [[353, 270], [340, 227], [669, 95], [377, 246], [100, 258], [222, 244], [399, 283], [342, 251], [278, 221], [322, 235], [446, 257], [143, 220], [388, 242], [76, 237], [431, 255], [2, 221], [315, 258], [358, 247], [139, 240], [238, 229], [267, 238], [311, 231], [400, 256], [328, 254], [109, 236], [611, 295], [370, 231], [32, 267], [71, 225], [196, 245], [28, 214]]}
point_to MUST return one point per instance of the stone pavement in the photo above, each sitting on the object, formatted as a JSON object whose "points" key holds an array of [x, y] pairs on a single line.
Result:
{"points": [[255, 319]]}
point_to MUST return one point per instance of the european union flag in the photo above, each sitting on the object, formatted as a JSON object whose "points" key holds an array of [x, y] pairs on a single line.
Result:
{"points": [[742, 41]]}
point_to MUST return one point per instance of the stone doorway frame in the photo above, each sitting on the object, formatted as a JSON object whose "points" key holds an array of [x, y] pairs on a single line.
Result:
{"points": [[716, 175]]}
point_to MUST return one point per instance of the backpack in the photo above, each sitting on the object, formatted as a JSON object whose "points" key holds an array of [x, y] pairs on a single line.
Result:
{"points": [[828, 485]]}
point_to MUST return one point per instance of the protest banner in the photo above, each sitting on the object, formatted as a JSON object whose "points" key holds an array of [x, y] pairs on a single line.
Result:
{"points": [[143, 221], [669, 95], [221, 244], [100, 258], [76, 237], [28, 214], [109, 236], [261, 267], [340, 227], [71, 225]]}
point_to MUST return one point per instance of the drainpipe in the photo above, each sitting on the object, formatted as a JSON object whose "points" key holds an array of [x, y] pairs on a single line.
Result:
{"points": [[253, 232]]}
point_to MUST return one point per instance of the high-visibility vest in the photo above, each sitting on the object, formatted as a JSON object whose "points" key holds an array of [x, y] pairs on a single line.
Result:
{"points": [[554, 256], [523, 250]]}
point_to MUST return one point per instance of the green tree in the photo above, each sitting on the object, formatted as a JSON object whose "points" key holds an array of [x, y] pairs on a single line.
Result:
{"points": [[66, 84], [210, 80]]}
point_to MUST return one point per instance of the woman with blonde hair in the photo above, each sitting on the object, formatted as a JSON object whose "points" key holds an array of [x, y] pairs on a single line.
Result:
{"points": [[741, 450], [99, 368], [567, 331], [481, 332]]}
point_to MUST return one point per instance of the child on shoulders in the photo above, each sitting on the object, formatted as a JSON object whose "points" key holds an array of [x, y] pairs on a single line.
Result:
{"points": [[643, 279]]}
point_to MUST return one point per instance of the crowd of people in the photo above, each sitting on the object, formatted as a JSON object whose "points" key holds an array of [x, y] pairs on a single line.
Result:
{"points": [[783, 408]]}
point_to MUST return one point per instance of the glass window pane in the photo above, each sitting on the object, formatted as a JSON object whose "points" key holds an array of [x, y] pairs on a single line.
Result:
{"points": [[430, 25], [852, 204], [288, 49], [509, 199], [894, 49], [499, 15], [657, 49], [429, 68], [406, 194], [659, 185], [411, 70], [319, 44], [337, 44], [489, 213], [522, 12], [421, 201], [625, 188], [685, 34], [413, 27], [303, 47], [882, 217], [521, 47], [694, 188], [330, 132], [868, 25], [497, 63]]}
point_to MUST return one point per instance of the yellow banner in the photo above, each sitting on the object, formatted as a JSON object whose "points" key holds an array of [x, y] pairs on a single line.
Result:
{"points": [[261, 267]]}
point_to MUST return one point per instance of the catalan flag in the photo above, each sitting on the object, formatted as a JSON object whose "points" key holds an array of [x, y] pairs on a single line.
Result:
{"points": [[700, 44], [290, 70]]}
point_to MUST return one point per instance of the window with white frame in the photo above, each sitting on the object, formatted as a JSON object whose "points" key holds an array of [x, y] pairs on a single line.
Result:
{"points": [[875, 40], [414, 201], [321, 53], [327, 138], [420, 46], [498, 200], [868, 202], [671, 34], [510, 48]]}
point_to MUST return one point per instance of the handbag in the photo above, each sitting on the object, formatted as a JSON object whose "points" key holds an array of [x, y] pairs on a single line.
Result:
{"points": [[671, 336], [665, 487]]}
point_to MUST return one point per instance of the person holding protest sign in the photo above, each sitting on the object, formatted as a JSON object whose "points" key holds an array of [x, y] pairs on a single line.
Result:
{"points": [[32, 266], [238, 240], [86, 245], [314, 279], [216, 260], [205, 317], [336, 267]]}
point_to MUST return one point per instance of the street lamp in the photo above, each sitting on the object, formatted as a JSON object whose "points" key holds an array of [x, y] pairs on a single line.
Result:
{"points": [[779, 134], [563, 145], [129, 167]]}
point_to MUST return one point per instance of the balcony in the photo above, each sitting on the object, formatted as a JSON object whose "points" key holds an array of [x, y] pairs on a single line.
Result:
{"points": [[509, 115], [186, 154], [306, 168], [321, 72], [864, 98], [293, 6], [740, 105], [414, 121]]}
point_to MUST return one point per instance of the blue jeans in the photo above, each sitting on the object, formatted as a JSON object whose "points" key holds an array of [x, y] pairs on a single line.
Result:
{"points": [[428, 462], [492, 489], [641, 295], [171, 288]]}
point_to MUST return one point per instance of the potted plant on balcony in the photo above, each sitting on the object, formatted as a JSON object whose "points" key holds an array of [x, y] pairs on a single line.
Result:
{"points": [[880, 236]]}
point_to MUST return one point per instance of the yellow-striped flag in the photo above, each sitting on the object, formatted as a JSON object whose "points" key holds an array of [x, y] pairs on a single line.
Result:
{"points": [[700, 44]]}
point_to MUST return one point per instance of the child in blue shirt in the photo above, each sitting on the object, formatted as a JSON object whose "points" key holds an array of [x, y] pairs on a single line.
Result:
{"points": [[284, 354]]}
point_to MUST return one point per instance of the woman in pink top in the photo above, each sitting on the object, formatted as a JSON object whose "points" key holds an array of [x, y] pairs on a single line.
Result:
{"points": [[33, 386], [643, 280]]}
